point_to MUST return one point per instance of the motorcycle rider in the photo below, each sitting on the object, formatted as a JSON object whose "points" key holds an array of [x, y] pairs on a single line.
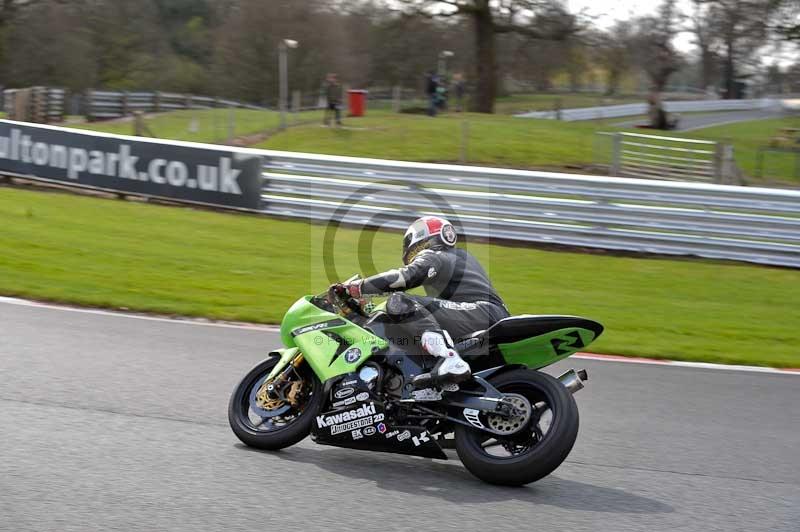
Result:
{"points": [[460, 297]]}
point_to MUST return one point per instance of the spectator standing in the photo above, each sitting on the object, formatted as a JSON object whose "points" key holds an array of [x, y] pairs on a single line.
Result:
{"points": [[432, 91], [333, 99]]}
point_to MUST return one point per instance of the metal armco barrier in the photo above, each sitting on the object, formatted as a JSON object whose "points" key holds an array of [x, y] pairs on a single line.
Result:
{"points": [[634, 109], [750, 224], [715, 221], [102, 105], [35, 104]]}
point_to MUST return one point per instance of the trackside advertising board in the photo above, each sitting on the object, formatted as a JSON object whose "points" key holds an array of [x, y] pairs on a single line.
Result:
{"points": [[178, 171]]}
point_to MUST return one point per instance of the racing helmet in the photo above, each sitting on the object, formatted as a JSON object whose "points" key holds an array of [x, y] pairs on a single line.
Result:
{"points": [[428, 232]]}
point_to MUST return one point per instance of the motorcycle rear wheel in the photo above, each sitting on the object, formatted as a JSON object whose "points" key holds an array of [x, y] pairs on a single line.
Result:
{"points": [[281, 427], [534, 454]]}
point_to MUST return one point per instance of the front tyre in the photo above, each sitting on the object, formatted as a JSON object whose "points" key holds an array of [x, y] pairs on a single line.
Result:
{"points": [[278, 422], [536, 451]]}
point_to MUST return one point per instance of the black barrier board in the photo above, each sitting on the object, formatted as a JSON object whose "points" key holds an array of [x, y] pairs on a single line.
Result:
{"points": [[181, 172]]}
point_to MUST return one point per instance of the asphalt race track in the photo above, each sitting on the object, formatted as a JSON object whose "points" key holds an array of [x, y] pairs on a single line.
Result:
{"points": [[692, 121], [118, 423]]}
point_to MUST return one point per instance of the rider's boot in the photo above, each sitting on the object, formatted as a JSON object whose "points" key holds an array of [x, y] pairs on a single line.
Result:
{"points": [[450, 369]]}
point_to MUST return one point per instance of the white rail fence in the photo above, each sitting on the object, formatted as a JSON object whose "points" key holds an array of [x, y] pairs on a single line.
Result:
{"points": [[634, 109], [670, 158]]}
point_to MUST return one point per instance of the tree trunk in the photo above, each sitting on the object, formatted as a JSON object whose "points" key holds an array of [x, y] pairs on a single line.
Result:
{"points": [[612, 81], [486, 84], [730, 72], [706, 67]]}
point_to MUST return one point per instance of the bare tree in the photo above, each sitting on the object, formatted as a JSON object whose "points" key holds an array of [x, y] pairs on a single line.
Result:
{"points": [[539, 19], [612, 51], [787, 20], [653, 45], [701, 27], [737, 29]]}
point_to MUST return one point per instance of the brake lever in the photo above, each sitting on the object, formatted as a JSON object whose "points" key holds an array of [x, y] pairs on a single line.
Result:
{"points": [[345, 304], [333, 298]]}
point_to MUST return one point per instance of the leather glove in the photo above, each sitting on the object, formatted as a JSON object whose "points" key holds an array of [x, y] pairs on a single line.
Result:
{"points": [[347, 290]]}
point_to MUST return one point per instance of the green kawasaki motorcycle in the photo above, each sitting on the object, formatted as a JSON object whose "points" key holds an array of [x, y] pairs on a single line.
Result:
{"points": [[345, 375]]}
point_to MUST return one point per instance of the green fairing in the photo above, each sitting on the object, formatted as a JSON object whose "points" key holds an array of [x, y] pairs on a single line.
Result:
{"points": [[319, 349], [545, 349]]}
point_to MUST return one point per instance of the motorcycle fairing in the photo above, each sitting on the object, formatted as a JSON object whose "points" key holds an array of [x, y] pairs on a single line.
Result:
{"points": [[364, 425], [534, 341], [331, 345]]}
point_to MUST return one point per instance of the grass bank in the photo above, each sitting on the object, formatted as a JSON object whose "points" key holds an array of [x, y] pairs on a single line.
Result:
{"points": [[183, 261], [748, 137], [494, 140], [521, 103]]}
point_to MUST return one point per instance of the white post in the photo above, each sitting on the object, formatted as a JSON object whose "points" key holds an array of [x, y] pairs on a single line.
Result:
{"points": [[283, 75], [231, 123], [443, 56], [397, 96], [616, 155], [296, 101]]}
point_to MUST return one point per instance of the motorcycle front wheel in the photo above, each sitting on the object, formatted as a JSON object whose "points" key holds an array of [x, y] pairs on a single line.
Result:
{"points": [[279, 421], [534, 452]]}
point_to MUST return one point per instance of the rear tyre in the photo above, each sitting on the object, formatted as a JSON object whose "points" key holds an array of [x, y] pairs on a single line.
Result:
{"points": [[534, 453], [282, 425]]}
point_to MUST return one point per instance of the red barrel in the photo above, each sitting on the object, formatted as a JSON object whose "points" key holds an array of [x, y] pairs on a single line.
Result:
{"points": [[357, 102]]}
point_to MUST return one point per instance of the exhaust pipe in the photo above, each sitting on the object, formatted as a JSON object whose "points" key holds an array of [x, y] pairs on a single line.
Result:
{"points": [[573, 380]]}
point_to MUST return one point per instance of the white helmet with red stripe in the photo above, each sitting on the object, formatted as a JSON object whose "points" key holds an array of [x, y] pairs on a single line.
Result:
{"points": [[428, 232]]}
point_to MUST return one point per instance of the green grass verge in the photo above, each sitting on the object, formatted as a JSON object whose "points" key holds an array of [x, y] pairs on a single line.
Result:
{"points": [[748, 137], [490, 139], [238, 267], [521, 103]]}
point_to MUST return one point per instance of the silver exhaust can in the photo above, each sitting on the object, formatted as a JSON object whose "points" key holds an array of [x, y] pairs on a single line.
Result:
{"points": [[573, 380]]}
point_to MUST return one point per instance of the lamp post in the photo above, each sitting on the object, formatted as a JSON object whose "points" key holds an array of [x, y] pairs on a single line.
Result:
{"points": [[444, 55], [283, 75]]}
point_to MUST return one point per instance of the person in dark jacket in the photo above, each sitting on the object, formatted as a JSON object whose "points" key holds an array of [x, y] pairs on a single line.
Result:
{"points": [[459, 300], [432, 91], [333, 99]]}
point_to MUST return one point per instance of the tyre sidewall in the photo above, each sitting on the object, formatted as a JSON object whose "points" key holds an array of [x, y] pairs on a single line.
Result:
{"points": [[546, 456], [280, 438]]}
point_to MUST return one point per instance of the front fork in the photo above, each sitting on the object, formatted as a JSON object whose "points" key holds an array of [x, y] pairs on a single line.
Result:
{"points": [[277, 386]]}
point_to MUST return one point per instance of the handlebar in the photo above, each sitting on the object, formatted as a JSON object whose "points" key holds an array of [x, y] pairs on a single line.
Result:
{"points": [[345, 303]]}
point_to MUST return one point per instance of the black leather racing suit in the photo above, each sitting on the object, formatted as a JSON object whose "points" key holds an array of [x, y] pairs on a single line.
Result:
{"points": [[460, 297]]}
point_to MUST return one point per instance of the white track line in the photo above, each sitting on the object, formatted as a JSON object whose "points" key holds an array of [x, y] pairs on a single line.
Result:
{"points": [[123, 314], [684, 364], [273, 328]]}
